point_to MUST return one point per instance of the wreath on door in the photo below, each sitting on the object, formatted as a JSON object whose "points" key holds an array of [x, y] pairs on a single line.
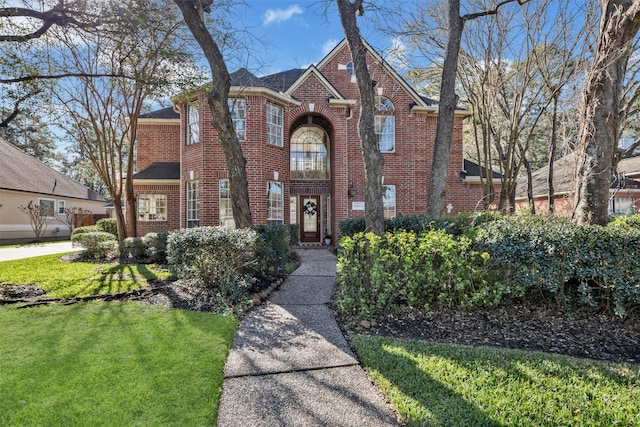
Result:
{"points": [[310, 208]]}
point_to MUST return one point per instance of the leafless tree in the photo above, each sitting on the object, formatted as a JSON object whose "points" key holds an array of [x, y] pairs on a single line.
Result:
{"points": [[599, 110], [70, 215], [193, 12], [39, 216], [373, 160]]}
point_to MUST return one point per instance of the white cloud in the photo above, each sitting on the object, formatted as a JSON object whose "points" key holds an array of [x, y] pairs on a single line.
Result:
{"points": [[280, 15], [397, 54], [328, 46]]}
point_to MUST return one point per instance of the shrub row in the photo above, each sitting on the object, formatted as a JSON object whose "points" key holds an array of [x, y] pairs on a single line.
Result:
{"points": [[381, 273], [581, 265], [478, 261]]}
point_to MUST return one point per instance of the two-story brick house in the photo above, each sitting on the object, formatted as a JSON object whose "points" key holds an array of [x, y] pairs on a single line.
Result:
{"points": [[299, 134]]}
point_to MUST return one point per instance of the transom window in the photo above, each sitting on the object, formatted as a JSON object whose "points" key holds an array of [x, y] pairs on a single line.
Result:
{"points": [[385, 124], [226, 210], [238, 109], [389, 200], [152, 207], [309, 153], [193, 124], [275, 202], [192, 204], [274, 125]]}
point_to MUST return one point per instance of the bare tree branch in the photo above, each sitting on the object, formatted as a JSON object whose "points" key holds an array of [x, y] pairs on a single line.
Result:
{"points": [[59, 76]]}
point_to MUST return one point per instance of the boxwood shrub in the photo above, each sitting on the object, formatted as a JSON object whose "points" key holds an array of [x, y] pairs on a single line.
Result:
{"points": [[108, 225]]}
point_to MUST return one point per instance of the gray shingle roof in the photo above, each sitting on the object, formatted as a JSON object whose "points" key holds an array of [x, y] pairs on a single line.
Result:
{"points": [[160, 170], [474, 169], [20, 171], [279, 82], [165, 113], [563, 181]]}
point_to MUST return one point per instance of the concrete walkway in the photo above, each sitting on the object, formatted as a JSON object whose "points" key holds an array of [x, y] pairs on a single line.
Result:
{"points": [[290, 365], [29, 251]]}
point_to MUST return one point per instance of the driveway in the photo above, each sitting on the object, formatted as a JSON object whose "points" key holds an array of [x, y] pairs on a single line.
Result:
{"points": [[29, 251]]}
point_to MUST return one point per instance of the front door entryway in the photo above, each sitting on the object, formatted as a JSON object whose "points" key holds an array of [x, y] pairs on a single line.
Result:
{"points": [[310, 219]]}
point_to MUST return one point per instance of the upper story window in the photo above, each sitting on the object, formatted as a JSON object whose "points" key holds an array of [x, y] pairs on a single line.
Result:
{"points": [[349, 68], [309, 153], [238, 109], [225, 210], [193, 124], [274, 125], [152, 207], [385, 124], [389, 200]]}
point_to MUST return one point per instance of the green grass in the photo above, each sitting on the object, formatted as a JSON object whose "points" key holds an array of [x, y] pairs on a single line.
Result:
{"points": [[451, 385], [111, 364], [74, 279]]}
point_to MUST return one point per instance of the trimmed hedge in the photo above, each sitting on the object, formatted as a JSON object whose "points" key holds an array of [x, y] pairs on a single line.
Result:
{"points": [[273, 249], [97, 244], [377, 274], [108, 225], [581, 265]]}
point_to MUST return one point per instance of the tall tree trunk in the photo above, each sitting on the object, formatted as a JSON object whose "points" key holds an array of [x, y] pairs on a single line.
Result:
{"points": [[217, 97], [373, 160], [527, 167], [599, 111], [446, 111], [551, 197]]}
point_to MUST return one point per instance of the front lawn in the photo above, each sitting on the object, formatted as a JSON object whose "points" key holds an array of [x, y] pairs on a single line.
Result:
{"points": [[76, 279], [447, 385], [115, 364]]}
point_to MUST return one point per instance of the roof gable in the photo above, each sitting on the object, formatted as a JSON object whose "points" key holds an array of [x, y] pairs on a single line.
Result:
{"points": [[313, 71], [419, 100], [20, 171]]}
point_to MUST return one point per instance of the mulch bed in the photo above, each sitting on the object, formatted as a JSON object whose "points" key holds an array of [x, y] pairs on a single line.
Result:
{"points": [[522, 325]]}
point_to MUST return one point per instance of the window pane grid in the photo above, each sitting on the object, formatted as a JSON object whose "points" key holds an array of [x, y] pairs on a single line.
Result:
{"points": [[274, 125], [226, 210], [309, 157], [152, 207], [192, 204], [193, 124], [275, 202], [385, 127], [238, 109]]}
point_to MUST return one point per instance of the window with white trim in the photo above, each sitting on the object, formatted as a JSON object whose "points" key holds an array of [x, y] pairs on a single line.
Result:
{"points": [[274, 125], [61, 206], [152, 207], [192, 204], [47, 208], [226, 210], [275, 202], [193, 124], [385, 124], [238, 109], [389, 200]]}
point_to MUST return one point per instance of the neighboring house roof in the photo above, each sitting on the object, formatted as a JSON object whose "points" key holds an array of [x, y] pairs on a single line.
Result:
{"points": [[474, 169], [20, 171], [563, 180], [630, 166], [165, 113], [160, 170]]}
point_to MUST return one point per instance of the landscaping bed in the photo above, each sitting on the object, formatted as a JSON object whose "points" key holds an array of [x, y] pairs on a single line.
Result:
{"points": [[527, 325]]}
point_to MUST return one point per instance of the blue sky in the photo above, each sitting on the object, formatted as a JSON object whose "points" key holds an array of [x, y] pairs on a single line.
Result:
{"points": [[296, 34]]}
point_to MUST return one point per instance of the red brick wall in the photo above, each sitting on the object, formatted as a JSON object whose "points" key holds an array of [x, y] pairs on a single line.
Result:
{"points": [[173, 209], [408, 168], [157, 143]]}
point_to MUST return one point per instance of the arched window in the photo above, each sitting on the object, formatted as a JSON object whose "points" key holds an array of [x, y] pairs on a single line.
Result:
{"points": [[385, 124], [309, 153]]}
